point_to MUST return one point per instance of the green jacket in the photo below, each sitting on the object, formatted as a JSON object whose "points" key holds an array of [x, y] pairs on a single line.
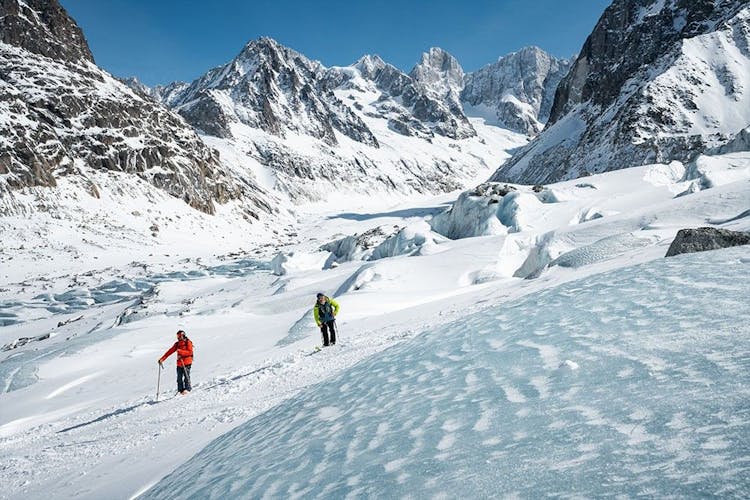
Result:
{"points": [[326, 311]]}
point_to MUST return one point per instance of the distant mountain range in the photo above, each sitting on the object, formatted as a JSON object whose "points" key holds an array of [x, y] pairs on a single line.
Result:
{"points": [[656, 80], [313, 128]]}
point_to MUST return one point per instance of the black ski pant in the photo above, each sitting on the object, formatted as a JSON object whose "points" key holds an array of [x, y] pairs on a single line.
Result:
{"points": [[183, 378], [329, 326]]}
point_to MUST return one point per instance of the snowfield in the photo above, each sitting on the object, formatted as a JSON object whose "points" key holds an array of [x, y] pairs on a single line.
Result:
{"points": [[591, 388], [551, 341]]}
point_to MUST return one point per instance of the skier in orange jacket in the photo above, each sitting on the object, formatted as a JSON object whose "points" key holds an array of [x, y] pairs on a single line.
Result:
{"points": [[184, 349]]}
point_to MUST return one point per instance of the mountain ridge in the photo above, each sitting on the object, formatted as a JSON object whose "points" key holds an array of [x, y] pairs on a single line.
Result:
{"points": [[655, 81], [65, 117]]}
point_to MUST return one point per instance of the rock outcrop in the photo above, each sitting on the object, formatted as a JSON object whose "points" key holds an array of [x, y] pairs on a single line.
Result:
{"points": [[656, 80], [706, 238], [63, 116]]}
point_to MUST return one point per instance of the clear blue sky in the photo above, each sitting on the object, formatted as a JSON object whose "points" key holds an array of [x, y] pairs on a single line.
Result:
{"points": [[160, 41]]}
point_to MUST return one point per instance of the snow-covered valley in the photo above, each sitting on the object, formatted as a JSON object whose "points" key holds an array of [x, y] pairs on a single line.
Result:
{"points": [[576, 336], [612, 362]]}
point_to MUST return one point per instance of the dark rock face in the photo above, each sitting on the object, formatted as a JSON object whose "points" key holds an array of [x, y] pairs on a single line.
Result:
{"points": [[706, 238], [519, 88], [654, 82], [69, 118], [628, 39], [43, 27]]}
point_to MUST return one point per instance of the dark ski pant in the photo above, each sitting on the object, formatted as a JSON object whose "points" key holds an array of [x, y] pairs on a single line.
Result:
{"points": [[325, 328], [183, 378]]}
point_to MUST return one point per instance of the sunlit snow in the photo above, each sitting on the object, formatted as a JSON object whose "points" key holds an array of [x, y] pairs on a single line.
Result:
{"points": [[633, 381], [559, 354]]}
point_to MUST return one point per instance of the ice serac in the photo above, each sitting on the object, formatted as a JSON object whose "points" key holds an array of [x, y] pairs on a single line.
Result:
{"points": [[515, 92], [62, 116], [655, 81]]}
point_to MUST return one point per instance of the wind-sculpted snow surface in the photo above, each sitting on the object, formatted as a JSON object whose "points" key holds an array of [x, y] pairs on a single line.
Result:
{"points": [[633, 382]]}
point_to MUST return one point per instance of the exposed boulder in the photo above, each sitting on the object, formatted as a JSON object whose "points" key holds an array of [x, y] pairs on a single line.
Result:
{"points": [[706, 238]]}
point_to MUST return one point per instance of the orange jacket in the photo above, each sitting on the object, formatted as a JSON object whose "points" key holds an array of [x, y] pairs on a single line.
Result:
{"points": [[184, 350]]}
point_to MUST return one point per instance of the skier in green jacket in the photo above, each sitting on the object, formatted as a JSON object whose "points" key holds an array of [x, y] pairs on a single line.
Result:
{"points": [[325, 312]]}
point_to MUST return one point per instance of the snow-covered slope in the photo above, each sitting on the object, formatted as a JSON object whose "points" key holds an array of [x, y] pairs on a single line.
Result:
{"points": [[62, 116], [645, 392], [655, 81], [515, 92], [490, 344]]}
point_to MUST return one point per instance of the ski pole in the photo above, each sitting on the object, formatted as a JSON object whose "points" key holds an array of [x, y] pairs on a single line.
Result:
{"points": [[158, 380]]}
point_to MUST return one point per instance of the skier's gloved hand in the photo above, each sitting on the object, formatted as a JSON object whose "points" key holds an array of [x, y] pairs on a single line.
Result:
{"points": [[160, 364]]}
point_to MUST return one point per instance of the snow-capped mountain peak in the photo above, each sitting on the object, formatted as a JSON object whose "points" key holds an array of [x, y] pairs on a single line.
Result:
{"points": [[43, 27], [516, 91], [440, 72], [266, 54], [369, 65], [655, 81]]}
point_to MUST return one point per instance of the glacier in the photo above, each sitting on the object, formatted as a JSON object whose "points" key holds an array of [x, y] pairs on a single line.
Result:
{"points": [[631, 382]]}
